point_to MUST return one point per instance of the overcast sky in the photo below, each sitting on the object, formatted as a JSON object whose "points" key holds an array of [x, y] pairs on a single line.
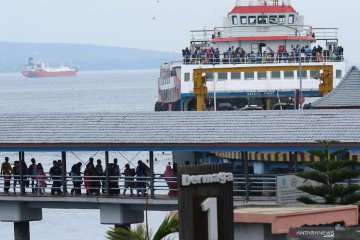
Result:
{"points": [[152, 24]]}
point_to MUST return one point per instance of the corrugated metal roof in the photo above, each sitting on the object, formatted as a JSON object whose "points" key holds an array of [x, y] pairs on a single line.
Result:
{"points": [[192, 130], [346, 94]]}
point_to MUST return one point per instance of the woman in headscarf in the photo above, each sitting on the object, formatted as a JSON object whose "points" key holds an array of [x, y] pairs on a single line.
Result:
{"points": [[170, 178]]}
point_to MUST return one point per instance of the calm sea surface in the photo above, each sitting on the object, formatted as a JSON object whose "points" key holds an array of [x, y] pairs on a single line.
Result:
{"points": [[111, 91]]}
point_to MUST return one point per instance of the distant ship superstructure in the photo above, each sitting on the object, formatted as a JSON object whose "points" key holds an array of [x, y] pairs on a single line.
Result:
{"points": [[37, 69]]}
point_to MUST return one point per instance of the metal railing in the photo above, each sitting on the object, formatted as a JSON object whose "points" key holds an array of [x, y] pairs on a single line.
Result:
{"points": [[261, 59], [262, 2], [253, 185], [204, 37]]}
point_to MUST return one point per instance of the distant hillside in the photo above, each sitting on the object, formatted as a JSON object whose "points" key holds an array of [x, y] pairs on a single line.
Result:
{"points": [[13, 56]]}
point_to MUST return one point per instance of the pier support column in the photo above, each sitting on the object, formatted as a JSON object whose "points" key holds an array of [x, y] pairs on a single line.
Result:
{"points": [[22, 230], [18, 212], [120, 215]]}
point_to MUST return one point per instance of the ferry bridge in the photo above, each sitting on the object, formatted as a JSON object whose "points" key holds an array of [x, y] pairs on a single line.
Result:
{"points": [[242, 131]]}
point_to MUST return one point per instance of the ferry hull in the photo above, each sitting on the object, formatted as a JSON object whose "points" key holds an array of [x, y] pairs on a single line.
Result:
{"points": [[42, 74]]}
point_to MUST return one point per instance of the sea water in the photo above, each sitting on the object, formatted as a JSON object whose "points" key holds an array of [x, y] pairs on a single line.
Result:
{"points": [[110, 91]]}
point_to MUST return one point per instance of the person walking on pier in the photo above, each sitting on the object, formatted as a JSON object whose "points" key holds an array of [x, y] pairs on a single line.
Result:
{"points": [[16, 174], [24, 169], [76, 178], [40, 179], [114, 174], [6, 173], [129, 174], [32, 170], [140, 179], [100, 172], [92, 183], [170, 178], [55, 174]]}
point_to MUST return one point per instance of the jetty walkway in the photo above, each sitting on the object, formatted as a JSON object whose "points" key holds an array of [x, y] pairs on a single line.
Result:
{"points": [[242, 131]]}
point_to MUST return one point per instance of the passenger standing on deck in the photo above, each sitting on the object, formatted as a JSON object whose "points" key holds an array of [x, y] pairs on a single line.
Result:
{"points": [[55, 174], [170, 178], [129, 174], [40, 179], [16, 173], [6, 173], [32, 170]]}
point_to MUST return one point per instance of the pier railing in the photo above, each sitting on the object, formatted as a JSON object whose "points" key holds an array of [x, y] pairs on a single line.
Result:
{"points": [[246, 186]]}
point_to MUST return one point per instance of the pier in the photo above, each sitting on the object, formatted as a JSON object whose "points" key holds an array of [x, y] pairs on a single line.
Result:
{"points": [[167, 131]]}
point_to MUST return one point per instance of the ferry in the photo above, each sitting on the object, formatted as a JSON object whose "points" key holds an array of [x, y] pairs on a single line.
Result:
{"points": [[38, 69], [269, 36]]}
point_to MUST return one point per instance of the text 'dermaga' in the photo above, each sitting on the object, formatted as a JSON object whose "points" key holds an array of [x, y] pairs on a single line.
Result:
{"points": [[222, 177]]}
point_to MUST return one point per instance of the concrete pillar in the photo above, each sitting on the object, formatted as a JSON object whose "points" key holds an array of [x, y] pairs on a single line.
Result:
{"points": [[151, 157], [63, 160], [18, 212], [120, 215], [22, 230], [21, 165], [107, 177]]}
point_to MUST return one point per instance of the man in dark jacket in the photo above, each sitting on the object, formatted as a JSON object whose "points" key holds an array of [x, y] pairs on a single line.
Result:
{"points": [[56, 175], [32, 171]]}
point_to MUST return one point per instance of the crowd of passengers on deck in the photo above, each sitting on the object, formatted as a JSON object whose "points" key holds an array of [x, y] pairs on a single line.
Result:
{"points": [[93, 178], [239, 56]]}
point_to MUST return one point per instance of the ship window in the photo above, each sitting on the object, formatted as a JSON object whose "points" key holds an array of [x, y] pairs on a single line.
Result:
{"points": [[303, 75], [243, 20], [291, 19], [273, 19], [173, 73], [252, 19], [249, 75], [222, 76], [288, 74], [261, 75], [282, 19], [186, 77], [262, 19], [275, 74], [314, 73], [234, 20], [338, 74], [235, 75], [210, 76]]}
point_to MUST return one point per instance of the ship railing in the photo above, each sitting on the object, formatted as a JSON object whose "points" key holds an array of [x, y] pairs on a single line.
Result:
{"points": [[263, 3], [326, 33], [263, 59], [262, 30], [157, 185], [201, 37], [206, 36]]}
